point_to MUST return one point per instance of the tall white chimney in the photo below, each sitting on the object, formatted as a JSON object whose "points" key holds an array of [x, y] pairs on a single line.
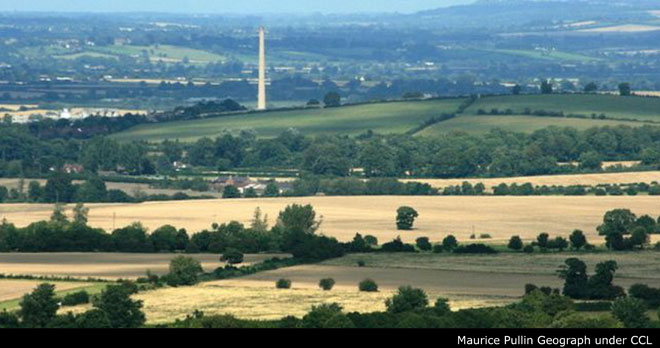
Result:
{"points": [[261, 101]]}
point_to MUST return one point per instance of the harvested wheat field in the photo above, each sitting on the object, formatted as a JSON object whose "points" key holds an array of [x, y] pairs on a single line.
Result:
{"points": [[643, 266], [11, 289], [104, 265], [501, 217], [554, 180], [465, 289], [166, 305]]}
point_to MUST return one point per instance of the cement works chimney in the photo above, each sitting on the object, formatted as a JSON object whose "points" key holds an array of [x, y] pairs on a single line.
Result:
{"points": [[261, 100]]}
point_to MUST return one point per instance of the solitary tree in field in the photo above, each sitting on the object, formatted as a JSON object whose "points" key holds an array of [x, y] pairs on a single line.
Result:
{"points": [[405, 217], [624, 89]]}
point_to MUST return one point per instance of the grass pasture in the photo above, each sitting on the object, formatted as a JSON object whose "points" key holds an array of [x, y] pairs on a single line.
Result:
{"points": [[501, 217], [525, 124], [104, 265], [395, 117], [400, 117], [614, 106], [544, 55], [164, 53]]}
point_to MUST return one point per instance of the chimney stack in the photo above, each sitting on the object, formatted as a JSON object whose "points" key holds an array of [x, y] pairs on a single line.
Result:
{"points": [[261, 101]]}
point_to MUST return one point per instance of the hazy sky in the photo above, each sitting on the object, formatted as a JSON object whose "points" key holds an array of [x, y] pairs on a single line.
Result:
{"points": [[227, 6]]}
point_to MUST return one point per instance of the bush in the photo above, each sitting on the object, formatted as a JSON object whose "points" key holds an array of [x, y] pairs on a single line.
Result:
{"points": [[361, 263], [438, 248], [397, 246], [183, 271], [368, 285], [528, 249], [407, 299], [319, 315], [515, 243], [475, 249], [326, 283], [485, 236], [651, 296], [283, 284], [631, 312], [232, 256], [75, 298], [423, 243]]}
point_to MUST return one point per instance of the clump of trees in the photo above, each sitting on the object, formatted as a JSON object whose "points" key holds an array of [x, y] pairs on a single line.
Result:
{"points": [[405, 218], [184, 270], [113, 308], [232, 256], [578, 285], [624, 231]]}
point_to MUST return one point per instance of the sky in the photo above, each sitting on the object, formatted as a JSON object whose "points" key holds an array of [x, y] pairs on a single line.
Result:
{"points": [[227, 6]]}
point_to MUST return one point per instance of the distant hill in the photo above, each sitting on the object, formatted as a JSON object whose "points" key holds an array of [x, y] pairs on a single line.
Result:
{"points": [[533, 13]]}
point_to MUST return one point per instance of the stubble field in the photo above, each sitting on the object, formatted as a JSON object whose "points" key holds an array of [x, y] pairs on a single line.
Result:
{"points": [[467, 281], [105, 265], [501, 217], [556, 180]]}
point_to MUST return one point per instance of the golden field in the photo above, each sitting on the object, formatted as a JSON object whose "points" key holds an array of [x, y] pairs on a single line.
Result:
{"points": [[554, 180], [105, 265], [501, 217], [467, 281]]}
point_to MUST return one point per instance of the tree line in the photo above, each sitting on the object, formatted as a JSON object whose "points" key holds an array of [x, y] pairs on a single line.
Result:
{"points": [[497, 153]]}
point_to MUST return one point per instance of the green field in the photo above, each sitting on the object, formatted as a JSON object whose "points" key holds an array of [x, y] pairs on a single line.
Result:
{"points": [[613, 106], [162, 52], [483, 124], [384, 118], [399, 117], [554, 55]]}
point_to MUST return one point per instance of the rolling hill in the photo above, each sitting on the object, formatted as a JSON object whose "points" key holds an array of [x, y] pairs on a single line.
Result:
{"points": [[401, 117], [394, 117]]}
